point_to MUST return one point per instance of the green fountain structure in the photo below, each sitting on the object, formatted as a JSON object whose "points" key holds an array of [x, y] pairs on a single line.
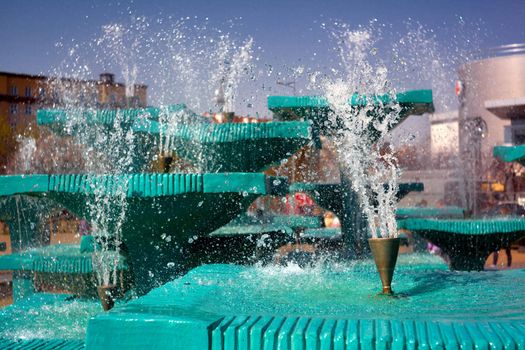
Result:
{"points": [[340, 197], [182, 305]]}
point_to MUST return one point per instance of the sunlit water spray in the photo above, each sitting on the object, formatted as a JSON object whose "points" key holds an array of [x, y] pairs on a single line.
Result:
{"points": [[198, 65], [365, 155]]}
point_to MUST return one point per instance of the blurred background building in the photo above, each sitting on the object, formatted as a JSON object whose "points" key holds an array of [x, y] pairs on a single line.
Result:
{"points": [[491, 95], [21, 95]]}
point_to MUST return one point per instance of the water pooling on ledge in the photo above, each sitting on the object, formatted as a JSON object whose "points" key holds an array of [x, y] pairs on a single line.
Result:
{"points": [[427, 290], [47, 316], [235, 307]]}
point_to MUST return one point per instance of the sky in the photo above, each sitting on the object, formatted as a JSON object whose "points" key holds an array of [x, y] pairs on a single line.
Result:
{"points": [[285, 33]]}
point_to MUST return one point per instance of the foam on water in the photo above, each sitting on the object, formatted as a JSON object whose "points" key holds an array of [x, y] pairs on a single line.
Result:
{"points": [[424, 287], [49, 318]]}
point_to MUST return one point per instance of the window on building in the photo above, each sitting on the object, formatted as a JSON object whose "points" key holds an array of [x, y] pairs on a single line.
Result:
{"points": [[13, 90], [29, 109], [41, 92], [518, 135], [28, 91], [13, 108]]}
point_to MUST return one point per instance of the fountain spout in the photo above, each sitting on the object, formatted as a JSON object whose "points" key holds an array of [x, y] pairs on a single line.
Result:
{"points": [[107, 294], [385, 252]]}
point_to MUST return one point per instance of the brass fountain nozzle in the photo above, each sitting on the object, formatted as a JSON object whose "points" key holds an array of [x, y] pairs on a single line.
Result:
{"points": [[107, 294], [385, 252]]}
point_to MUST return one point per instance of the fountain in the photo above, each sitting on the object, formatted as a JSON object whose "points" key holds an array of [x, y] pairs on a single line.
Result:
{"points": [[177, 261]]}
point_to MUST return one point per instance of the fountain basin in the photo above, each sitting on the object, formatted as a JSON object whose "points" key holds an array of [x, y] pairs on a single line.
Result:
{"points": [[228, 147], [467, 243], [510, 153], [229, 307], [317, 109], [165, 212], [46, 321]]}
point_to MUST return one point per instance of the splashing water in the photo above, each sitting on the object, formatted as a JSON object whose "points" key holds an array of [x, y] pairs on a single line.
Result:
{"points": [[363, 149], [26, 152], [231, 64], [123, 46], [109, 212]]}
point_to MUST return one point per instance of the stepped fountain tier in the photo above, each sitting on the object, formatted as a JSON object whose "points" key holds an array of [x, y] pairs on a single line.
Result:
{"points": [[317, 109], [468, 242], [229, 147], [331, 195], [67, 267], [178, 206], [235, 307], [341, 198], [449, 212], [510, 153], [23, 215]]}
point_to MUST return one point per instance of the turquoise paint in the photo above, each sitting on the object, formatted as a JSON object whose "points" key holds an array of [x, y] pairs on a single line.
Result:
{"points": [[510, 153], [234, 307], [467, 242]]}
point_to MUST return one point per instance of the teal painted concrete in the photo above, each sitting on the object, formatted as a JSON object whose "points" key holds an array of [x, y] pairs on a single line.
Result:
{"points": [[58, 258], [468, 242], [510, 153], [163, 211], [356, 100], [229, 147], [317, 109], [57, 119], [430, 212], [234, 307]]}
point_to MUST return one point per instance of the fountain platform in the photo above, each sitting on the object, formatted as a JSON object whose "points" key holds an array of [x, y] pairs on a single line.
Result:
{"points": [[234, 307], [430, 212], [317, 109], [165, 212], [510, 153], [228, 147], [62, 266], [468, 242], [331, 196]]}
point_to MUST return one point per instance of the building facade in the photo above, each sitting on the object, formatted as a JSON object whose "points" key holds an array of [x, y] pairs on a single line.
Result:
{"points": [[21, 95], [492, 112]]}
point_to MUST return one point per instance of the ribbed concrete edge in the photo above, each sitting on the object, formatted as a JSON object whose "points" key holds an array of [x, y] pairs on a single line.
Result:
{"points": [[142, 185], [466, 226], [267, 332]]}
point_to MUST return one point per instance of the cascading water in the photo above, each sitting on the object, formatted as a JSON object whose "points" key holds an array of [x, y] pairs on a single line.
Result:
{"points": [[212, 56], [231, 66], [362, 146]]}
